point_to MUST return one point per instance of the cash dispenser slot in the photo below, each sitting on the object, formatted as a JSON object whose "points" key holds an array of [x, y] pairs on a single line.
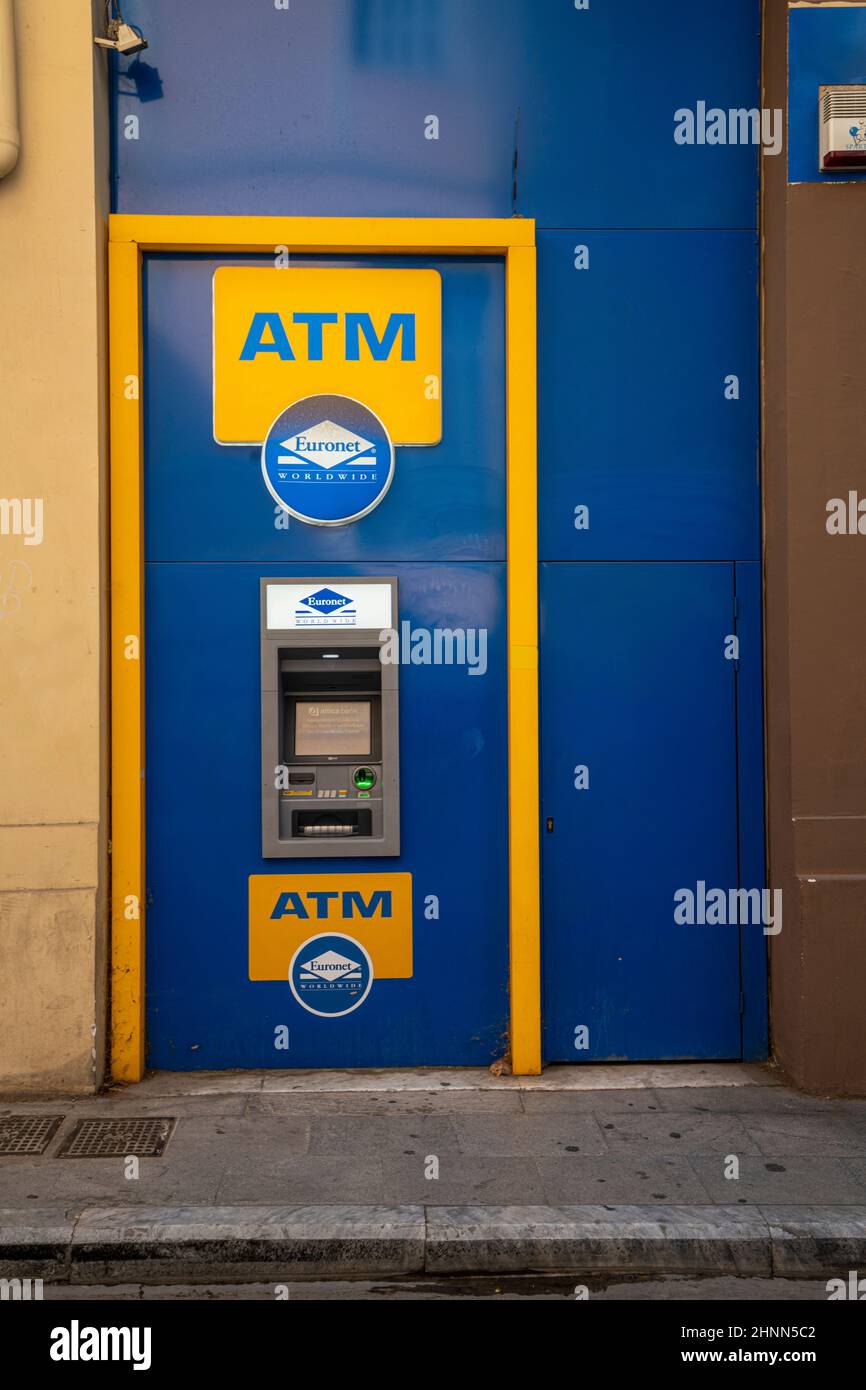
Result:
{"points": [[314, 823]]}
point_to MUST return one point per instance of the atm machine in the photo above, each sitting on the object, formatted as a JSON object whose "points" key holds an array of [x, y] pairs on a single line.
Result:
{"points": [[330, 718]]}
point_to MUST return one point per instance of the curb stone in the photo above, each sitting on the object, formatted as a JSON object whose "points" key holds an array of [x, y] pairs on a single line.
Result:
{"points": [[598, 1240], [36, 1244], [244, 1243], [831, 1240]]}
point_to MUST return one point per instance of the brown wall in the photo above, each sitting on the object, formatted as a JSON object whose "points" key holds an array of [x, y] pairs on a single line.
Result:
{"points": [[814, 449]]}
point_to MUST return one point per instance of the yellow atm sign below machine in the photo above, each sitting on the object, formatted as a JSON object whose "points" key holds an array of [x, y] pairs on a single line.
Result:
{"points": [[282, 334], [285, 910]]}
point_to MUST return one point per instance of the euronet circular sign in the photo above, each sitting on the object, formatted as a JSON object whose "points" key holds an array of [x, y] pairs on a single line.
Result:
{"points": [[331, 975], [328, 460]]}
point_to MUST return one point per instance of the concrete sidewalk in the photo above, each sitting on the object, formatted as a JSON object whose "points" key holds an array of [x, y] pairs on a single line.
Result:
{"points": [[683, 1169]]}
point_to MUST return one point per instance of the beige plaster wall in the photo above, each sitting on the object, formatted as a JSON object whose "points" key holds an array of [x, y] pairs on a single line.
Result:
{"points": [[53, 708]]}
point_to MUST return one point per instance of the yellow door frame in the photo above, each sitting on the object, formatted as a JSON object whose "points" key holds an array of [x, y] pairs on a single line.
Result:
{"points": [[129, 237]]}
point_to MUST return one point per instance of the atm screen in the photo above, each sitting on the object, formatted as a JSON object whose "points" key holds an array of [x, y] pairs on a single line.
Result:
{"points": [[324, 728]]}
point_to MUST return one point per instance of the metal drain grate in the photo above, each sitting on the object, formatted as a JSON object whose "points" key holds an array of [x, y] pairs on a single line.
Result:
{"points": [[27, 1134], [117, 1138]]}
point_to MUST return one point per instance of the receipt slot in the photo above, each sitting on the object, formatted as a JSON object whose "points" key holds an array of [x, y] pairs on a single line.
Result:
{"points": [[330, 715]]}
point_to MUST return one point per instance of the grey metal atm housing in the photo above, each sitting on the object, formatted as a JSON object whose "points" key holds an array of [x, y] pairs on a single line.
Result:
{"points": [[327, 697]]}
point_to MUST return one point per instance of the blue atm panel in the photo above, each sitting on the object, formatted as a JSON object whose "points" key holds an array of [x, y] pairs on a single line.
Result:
{"points": [[636, 689], [210, 538], [206, 501], [204, 837]]}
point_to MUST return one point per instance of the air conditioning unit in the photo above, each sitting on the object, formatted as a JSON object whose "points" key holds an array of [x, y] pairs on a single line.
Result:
{"points": [[842, 121]]}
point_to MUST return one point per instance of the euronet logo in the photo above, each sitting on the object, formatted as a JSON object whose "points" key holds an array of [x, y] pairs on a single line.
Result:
{"points": [[77, 1343], [326, 601], [336, 451], [326, 604], [330, 966]]}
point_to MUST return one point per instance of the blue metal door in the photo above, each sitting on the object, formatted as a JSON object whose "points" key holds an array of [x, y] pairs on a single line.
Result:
{"points": [[649, 537], [210, 537], [639, 759]]}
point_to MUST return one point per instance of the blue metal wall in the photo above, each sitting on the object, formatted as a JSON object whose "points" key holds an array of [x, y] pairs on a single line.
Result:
{"points": [[320, 109], [565, 115]]}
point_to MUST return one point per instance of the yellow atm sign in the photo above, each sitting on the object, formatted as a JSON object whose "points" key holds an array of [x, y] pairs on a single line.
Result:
{"points": [[281, 334], [285, 910]]}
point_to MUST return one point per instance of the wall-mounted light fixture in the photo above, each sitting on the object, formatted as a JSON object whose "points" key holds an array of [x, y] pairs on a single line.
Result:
{"points": [[122, 37]]}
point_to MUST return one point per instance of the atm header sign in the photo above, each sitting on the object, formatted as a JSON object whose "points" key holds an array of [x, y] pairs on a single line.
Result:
{"points": [[282, 334]]}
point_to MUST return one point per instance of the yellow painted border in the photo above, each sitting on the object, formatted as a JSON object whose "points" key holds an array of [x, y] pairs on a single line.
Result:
{"points": [[129, 236]]}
